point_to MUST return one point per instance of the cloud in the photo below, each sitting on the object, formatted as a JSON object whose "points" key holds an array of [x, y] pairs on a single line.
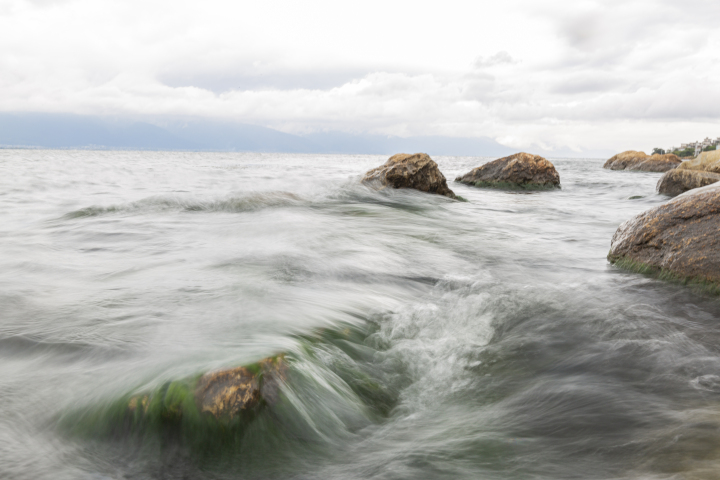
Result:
{"points": [[260, 79], [499, 58], [550, 73]]}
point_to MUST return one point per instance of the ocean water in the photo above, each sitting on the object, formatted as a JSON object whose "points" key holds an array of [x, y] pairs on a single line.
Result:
{"points": [[424, 337]]}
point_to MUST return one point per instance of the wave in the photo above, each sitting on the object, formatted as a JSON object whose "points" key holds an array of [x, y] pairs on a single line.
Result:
{"points": [[234, 204], [17, 346]]}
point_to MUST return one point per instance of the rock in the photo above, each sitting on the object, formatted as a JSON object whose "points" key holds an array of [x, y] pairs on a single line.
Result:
{"points": [[640, 161], [417, 171], [224, 394], [706, 161], [521, 170], [227, 393], [676, 240], [677, 181]]}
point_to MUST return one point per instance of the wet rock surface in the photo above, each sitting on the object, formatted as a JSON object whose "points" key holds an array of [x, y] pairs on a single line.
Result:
{"points": [[678, 239], [677, 181], [521, 170], [226, 393], [640, 161], [417, 171]]}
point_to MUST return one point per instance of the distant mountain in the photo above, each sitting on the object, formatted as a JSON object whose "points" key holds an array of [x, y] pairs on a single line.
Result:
{"points": [[45, 130], [338, 142], [76, 131]]}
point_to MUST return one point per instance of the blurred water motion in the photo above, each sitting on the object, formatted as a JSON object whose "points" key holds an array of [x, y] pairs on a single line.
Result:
{"points": [[426, 337]]}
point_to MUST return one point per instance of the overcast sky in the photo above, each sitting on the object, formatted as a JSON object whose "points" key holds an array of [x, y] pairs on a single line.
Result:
{"points": [[558, 74]]}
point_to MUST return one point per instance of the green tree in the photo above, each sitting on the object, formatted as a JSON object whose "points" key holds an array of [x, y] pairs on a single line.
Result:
{"points": [[688, 152], [658, 151]]}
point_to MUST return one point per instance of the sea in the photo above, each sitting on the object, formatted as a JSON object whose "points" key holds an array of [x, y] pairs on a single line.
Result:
{"points": [[424, 337]]}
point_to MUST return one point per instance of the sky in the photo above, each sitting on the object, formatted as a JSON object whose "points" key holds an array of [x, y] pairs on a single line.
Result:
{"points": [[579, 75]]}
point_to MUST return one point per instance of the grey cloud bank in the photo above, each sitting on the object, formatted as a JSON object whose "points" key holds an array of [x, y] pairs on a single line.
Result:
{"points": [[573, 77]]}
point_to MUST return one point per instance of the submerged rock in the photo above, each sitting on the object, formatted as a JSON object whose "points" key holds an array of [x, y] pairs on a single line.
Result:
{"points": [[640, 161], [332, 376], [417, 171], [521, 170], [677, 181], [225, 395], [677, 240]]}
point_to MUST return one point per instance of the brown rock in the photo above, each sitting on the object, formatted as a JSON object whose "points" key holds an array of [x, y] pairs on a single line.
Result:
{"points": [[640, 161], [677, 181], [521, 170], [228, 393], [706, 162], [417, 171], [679, 238]]}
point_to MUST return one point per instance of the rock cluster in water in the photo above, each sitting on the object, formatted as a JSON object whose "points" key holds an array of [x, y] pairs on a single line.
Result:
{"points": [[699, 172], [417, 171], [677, 240], [640, 161], [522, 170]]}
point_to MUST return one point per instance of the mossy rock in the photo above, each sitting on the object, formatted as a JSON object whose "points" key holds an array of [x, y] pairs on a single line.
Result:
{"points": [[213, 413], [192, 410]]}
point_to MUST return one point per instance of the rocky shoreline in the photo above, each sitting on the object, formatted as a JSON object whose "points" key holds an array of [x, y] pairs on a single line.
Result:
{"points": [[675, 241]]}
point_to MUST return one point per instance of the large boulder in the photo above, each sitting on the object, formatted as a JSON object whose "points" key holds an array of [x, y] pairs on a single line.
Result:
{"points": [[417, 171], [522, 170], [706, 162], [640, 161], [678, 180], [676, 240]]}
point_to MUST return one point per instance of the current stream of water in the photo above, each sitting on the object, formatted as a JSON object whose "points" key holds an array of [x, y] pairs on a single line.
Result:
{"points": [[426, 337]]}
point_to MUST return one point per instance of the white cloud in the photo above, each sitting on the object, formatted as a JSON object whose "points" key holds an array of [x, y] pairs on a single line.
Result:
{"points": [[499, 58], [583, 74]]}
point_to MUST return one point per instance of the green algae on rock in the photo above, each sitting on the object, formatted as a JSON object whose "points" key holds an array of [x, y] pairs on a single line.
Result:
{"points": [[194, 408], [354, 362], [214, 413], [522, 171], [666, 275], [677, 240], [417, 171]]}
